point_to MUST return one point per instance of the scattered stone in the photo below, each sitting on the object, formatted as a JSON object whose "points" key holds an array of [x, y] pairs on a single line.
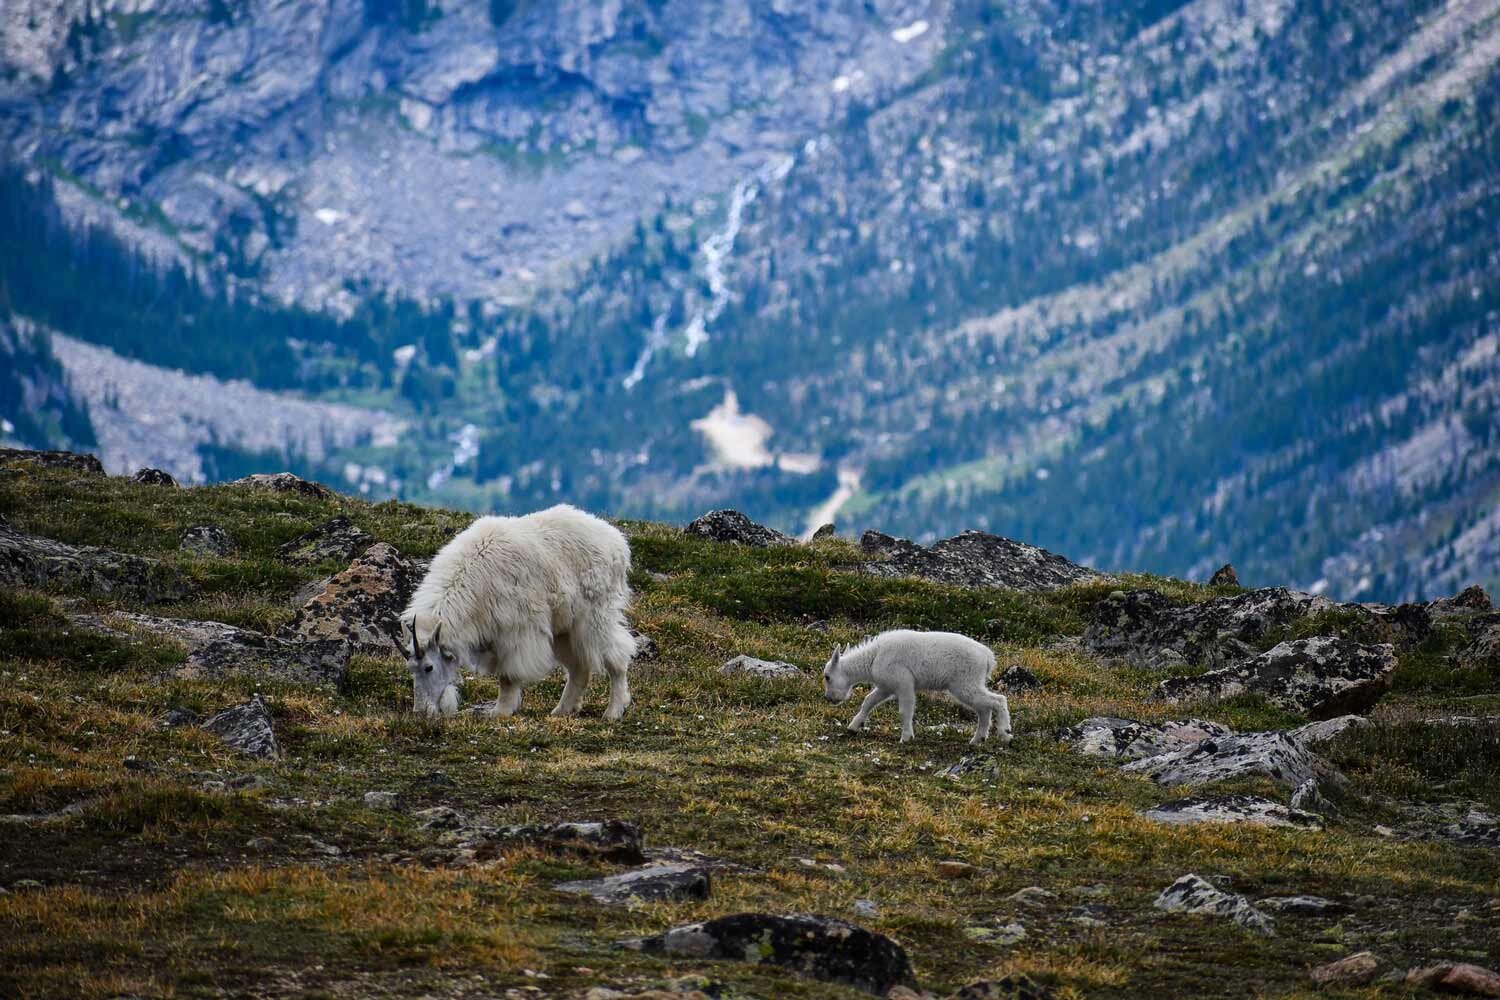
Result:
{"points": [[611, 838], [362, 605], [1354, 970], [177, 717], [246, 727], [261, 843], [1457, 822], [1472, 980], [382, 800], [764, 669], [825, 531], [1017, 678], [334, 539], [732, 526], [865, 908], [1321, 677], [206, 540], [44, 564], [1191, 894], [284, 482], [154, 477], [141, 764], [1032, 895], [1303, 906], [72, 460], [646, 650], [973, 559], [1013, 987], [957, 869], [216, 650], [1251, 809], [1004, 936], [821, 947], [441, 818], [1224, 576], [652, 883], [1308, 797], [1281, 757], [1482, 653], [973, 763]]}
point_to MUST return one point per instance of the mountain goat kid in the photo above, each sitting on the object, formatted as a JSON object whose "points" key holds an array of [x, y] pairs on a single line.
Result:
{"points": [[514, 596], [899, 663]]}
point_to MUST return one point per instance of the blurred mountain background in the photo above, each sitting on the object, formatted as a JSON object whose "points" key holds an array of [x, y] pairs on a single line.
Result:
{"points": [[1154, 284]]}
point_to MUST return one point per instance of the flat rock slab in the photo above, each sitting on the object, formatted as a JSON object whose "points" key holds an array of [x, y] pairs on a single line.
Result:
{"points": [[1191, 894], [69, 460], [1126, 739], [973, 559], [361, 605], [732, 526], [217, 650], [284, 482], [44, 564], [1320, 677], [1306, 906], [651, 883], [1354, 970], [820, 947], [336, 539], [1462, 978], [1252, 809], [246, 727], [765, 669]]}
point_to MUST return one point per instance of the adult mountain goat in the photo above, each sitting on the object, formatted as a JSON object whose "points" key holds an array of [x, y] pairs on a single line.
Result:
{"points": [[515, 596]]}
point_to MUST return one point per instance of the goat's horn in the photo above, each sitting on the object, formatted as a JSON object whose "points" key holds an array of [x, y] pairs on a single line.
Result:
{"points": [[416, 647]]}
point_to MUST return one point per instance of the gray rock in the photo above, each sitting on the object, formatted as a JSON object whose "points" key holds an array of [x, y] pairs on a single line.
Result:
{"points": [[361, 605], [611, 838], [441, 818], [1468, 601], [646, 650], [765, 669], [1191, 894], [284, 482], [1125, 739], [216, 650], [336, 539], [1003, 935], [1016, 678], [206, 540], [732, 526], [44, 564], [1307, 906], [865, 908], [246, 727], [177, 717], [1320, 677], [821, 947], [973, 559], [824, 531], [381, 800], [652, 883], [1353, 970], [973, 763], [1252, 809], [1483, 653], [1308, 797], [154, 477], [1013, 987], [1224, 576], [68, 460]]}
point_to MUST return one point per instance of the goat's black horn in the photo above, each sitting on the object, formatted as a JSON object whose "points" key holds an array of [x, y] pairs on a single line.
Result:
{"points": [[416, 647]]}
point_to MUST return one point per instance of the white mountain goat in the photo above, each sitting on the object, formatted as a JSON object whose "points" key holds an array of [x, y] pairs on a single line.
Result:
{"points": [[513, 597], [900, 663]]}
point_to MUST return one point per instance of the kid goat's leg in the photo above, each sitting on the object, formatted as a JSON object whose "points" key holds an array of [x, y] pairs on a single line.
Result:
{"points": [[906, 699], [982, 704], [878, 696]]}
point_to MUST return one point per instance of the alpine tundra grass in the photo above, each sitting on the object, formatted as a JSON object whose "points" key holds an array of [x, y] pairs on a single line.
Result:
{"points": [[151, 861]]}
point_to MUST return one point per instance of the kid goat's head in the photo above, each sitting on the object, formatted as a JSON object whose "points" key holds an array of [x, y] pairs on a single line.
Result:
{"points": [[434, 674], [836, 686]]}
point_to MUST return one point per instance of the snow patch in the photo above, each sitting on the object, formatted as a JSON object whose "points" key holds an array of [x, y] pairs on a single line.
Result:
{"points": [[738, 440], [910, 33]]}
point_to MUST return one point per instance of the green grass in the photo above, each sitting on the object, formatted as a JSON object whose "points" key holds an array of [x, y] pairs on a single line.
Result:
{"points": [[164, 882]]}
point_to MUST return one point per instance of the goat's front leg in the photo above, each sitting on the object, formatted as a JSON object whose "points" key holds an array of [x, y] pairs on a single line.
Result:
{"points": [[578, 678], [508, 701], [878, 696], [906, 700]]}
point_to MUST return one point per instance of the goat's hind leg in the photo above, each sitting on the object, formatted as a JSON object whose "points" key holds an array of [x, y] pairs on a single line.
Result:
{"points": [[606, 642], [578, 677], [981, 703]]}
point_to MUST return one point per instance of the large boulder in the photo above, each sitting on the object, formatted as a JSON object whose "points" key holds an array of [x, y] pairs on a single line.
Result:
{"points": [[44, 564], [361, 605], [732, 526], [336, 539], [216, 650], [284, 482], [1192, 894], [68, 460], [1254, 810], [821, 947], [1320, 677], [1482, 653], [247, 728], [973, 559]]}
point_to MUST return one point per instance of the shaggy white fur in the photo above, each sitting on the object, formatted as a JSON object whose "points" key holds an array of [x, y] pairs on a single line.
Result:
{"points": [[899, 663], [515, 596]]}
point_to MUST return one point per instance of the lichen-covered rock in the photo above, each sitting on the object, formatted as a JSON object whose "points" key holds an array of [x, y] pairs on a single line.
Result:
{"points": [[154, 477], [1192, 894], [732, 526], [361, 605], [1467, 601], [646, 650], [821, 947], [1224, 576], [973, 559], [206, 540], [1320, 677], [334, 539], [1251, 809], [284, 482], [1017, 678], [44, 564], [69, 460], [1125, 739], [217, 650], [676, 881], [764, 669], [246, 727], [1482, 653]]}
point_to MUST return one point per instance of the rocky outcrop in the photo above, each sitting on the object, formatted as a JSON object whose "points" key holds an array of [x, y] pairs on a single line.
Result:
{"points": [[1016, 678], [1482, 653], [247, 728], [732, 526], [1461, 978], [973, 559], [361, 605], [336, 539], [69, 460], [651, 883], [44, 564], [1321, 677], [154, 477], [284, 482], [1012, 987], [1145, 628], [1125, 739], [821, 947], [764, 669], [206, 540], [611, 838], [1224, 576], [1252, 809], [216, 650], [1192, 894]]}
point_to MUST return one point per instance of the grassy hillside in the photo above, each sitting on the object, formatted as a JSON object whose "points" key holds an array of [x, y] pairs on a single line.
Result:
{"points": [[280, 881]]}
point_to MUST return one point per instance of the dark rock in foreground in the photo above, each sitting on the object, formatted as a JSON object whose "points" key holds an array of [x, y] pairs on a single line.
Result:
{"points": [[154, 477], [285, 482], [30, 561], [361, 605], [246, 727], [1017, 678], [334, 539], [732, 526], [973, 559], [1320, 677], [821, 947], [1012, 987], [652, 883], [71, 460]]}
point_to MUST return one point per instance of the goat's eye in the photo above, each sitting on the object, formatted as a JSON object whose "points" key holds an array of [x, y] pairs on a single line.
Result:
{"points": [[427, 669]]}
